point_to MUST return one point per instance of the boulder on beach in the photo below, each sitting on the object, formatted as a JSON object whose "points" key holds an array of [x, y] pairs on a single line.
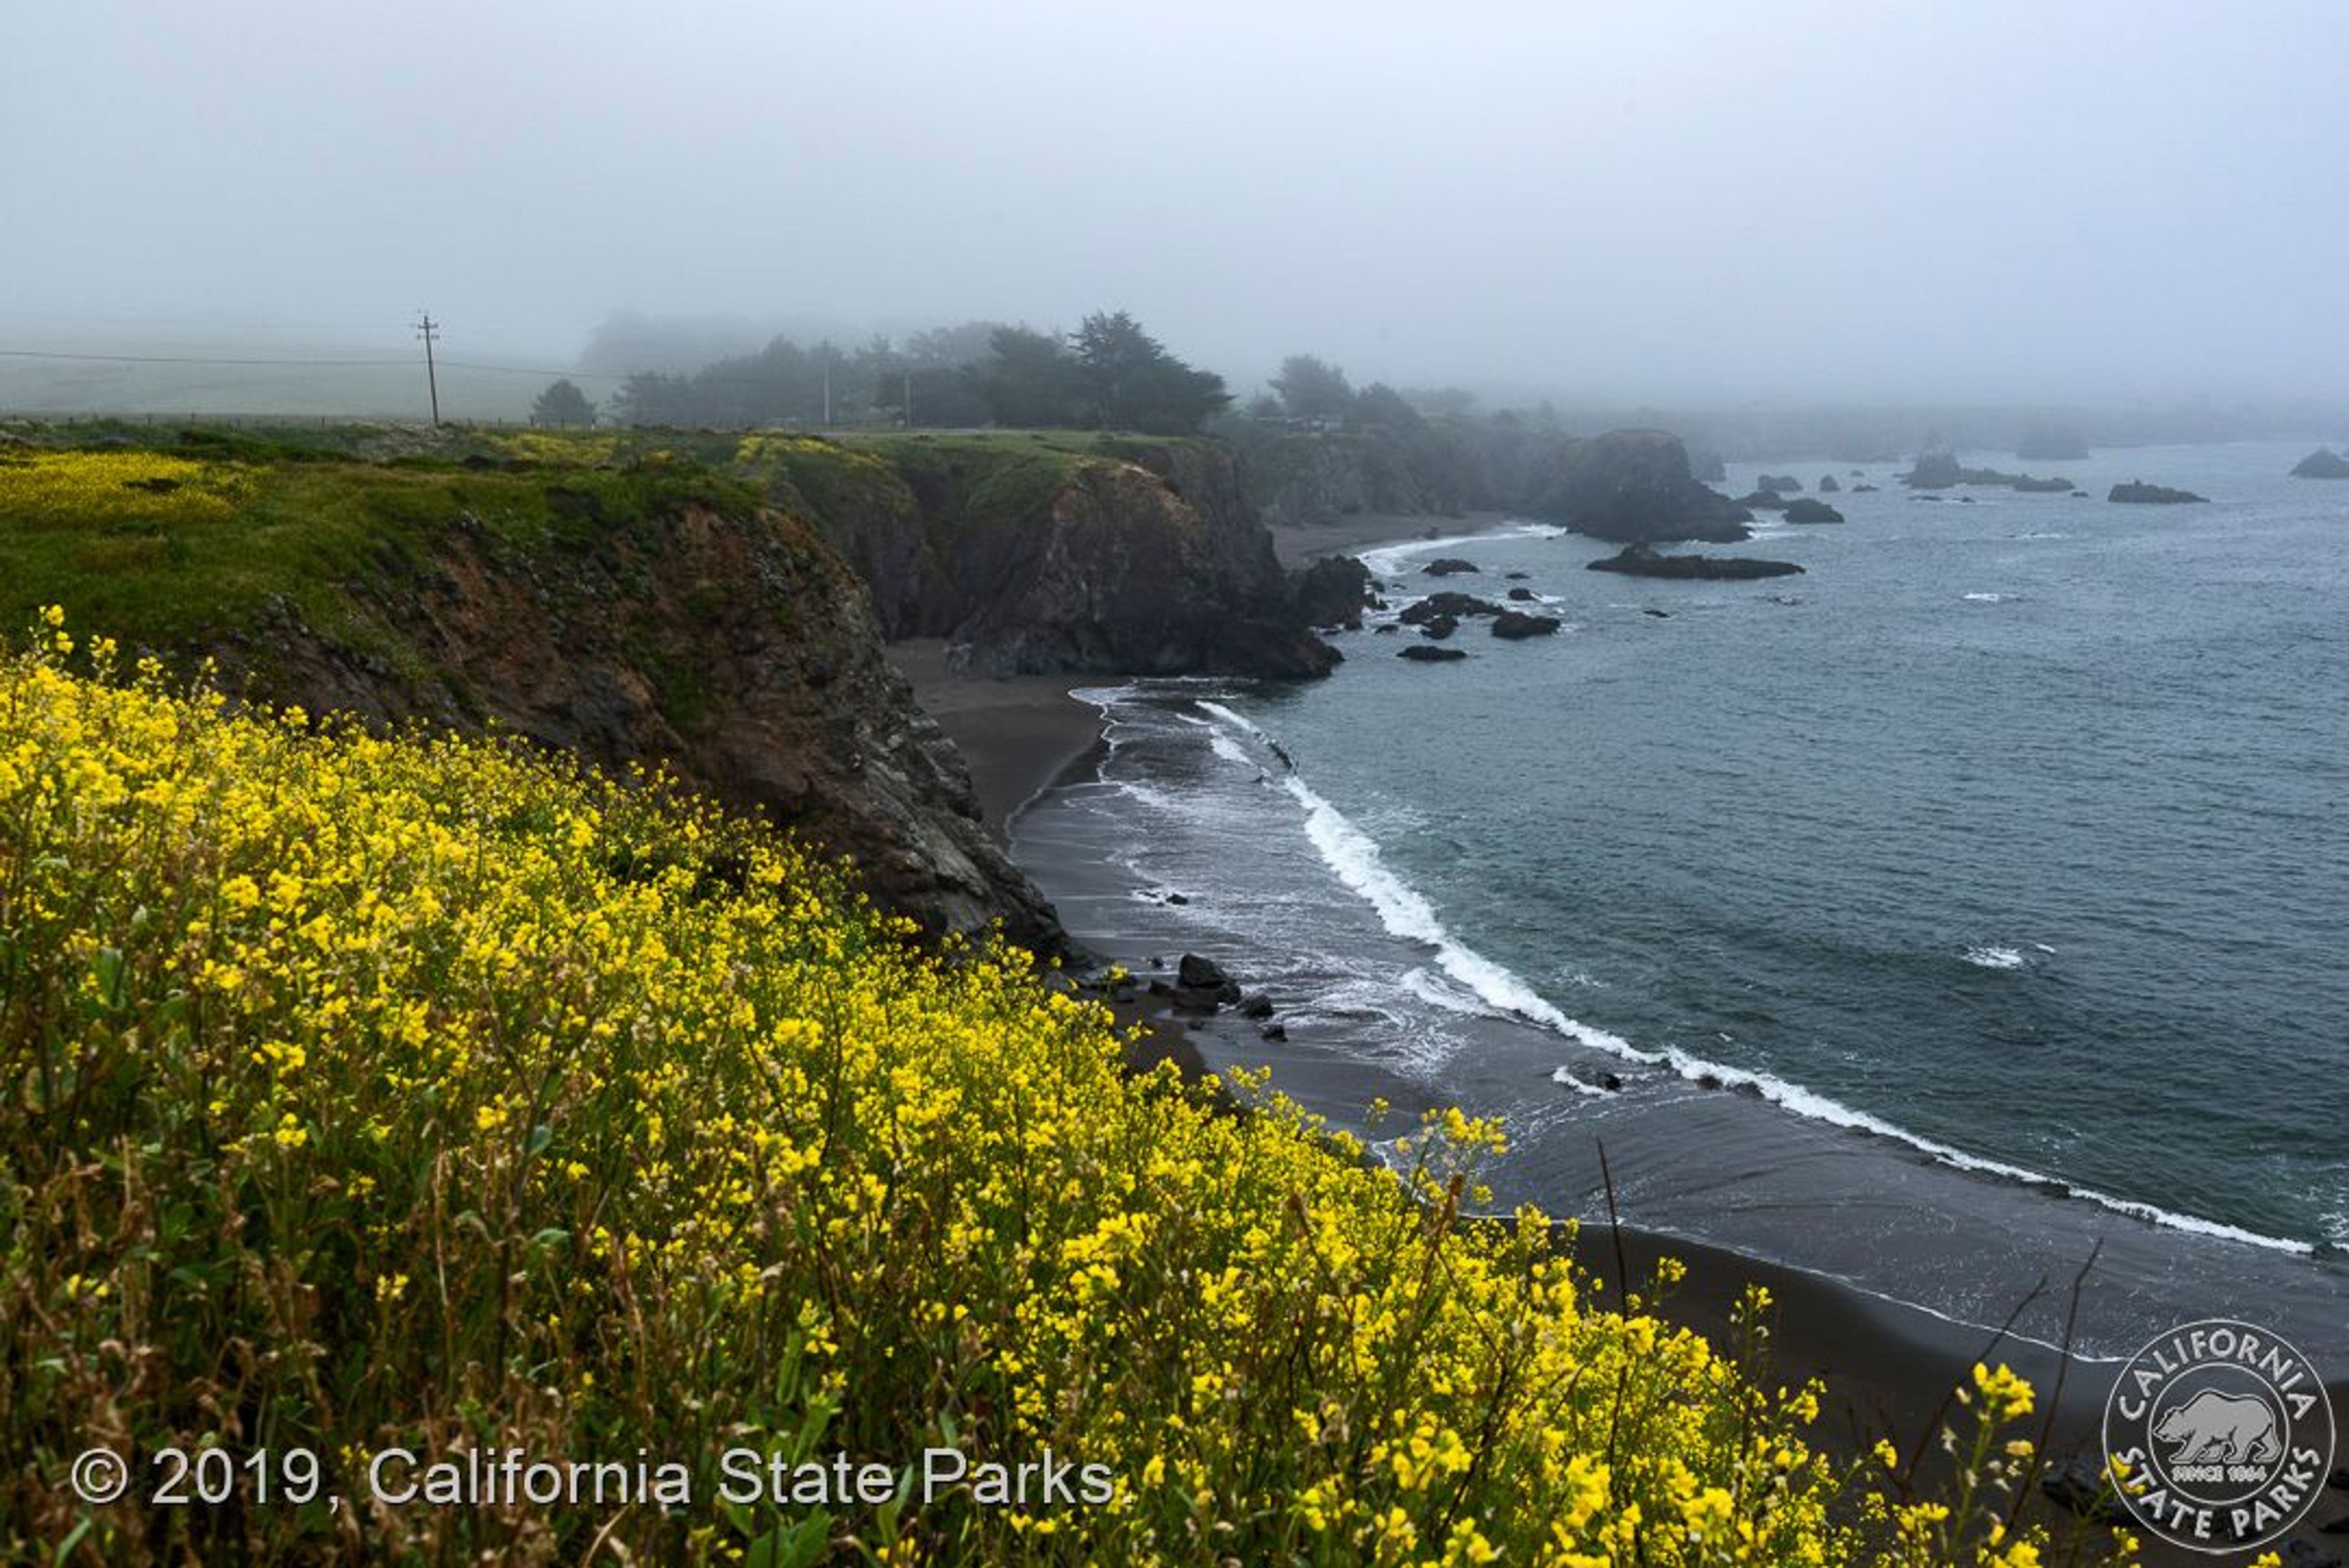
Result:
{"points": [[1429, 653], [1194, 970], [1640, 559], [2324, 463], [1808, 509], [2144, 494]]}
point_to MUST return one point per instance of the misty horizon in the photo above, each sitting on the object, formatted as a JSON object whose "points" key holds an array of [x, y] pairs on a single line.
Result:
{"points": [[1825, 204]]}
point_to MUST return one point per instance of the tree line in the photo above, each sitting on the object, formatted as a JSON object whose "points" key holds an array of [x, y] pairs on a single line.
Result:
{"points": [[1109, 374]]}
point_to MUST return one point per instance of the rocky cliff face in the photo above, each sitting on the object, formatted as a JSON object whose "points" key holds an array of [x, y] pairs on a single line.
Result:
{"points": [[733, 647], [1630, 485], [1131, 558], [1308, 478]]}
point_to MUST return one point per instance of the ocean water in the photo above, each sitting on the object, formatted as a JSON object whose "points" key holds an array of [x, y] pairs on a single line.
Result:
{"points": [[1975, 902]]}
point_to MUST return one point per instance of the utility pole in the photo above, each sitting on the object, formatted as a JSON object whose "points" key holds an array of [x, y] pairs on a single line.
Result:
{"points": [[827, 389], [909, 400], [425, 329]]}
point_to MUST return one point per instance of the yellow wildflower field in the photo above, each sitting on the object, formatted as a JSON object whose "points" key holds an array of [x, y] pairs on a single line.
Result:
{"points": [[368, 1101]]}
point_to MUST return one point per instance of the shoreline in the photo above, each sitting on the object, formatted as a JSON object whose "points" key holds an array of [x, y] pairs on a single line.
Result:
{"points": [[1888, 1366], [1300, 544], [1019, 734]]}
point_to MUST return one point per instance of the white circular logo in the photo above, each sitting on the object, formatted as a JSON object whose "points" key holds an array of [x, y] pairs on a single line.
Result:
{"points": [[2218, 1436]]}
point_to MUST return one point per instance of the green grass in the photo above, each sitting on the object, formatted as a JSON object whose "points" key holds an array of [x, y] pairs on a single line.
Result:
{"points": [[300, 515]]}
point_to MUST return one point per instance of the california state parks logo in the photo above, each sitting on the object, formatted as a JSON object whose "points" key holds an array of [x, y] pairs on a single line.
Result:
{"points": [[2218, 1435]]}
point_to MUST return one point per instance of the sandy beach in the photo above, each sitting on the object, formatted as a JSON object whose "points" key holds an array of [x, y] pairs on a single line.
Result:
{"points": [[1300, 546], [1888, 1367], [1019, 734]]}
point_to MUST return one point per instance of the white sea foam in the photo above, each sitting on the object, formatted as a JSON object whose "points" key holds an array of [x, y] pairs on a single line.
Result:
{"points": [[1819, 1107], [1436, 992], [1355, 857], [1566, 1075], [1993, 957], [1387, 559], [1229, 750], [1986, 598]]}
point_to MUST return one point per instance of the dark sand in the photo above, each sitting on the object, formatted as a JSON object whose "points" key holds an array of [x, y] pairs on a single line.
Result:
{"points": [[1889, 1368], [1019, 734]]}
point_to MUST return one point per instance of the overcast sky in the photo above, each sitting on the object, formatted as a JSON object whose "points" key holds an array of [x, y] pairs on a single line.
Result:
{"points": [[2019, 201]]}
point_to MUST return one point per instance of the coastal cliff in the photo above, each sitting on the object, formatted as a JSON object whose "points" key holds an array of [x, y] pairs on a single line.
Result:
{"points": [[1052, 554], [1302, 478], [630, 610]]}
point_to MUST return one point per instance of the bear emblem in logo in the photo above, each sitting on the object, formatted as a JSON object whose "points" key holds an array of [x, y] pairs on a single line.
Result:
{"points": [[2218, 1435], [2221, 1427]]}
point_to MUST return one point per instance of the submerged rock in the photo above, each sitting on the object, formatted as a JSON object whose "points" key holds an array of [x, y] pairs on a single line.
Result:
{"points": [[1516, 625], [2144, 494], [1447, 603], [1640, 560]]}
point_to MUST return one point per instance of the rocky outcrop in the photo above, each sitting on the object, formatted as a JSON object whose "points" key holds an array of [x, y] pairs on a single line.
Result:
{"points": [[1447, 603], [1334, 592], [1829, 484], [1139, 557], [1429, 653], [1941, 470], [1764, 501], [2324, 463], [1635, 485], [1810, 509], [2141, 493], [1516, 625], [729, 644], [1784, 484], [1640, 560], [1449, 566]]}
